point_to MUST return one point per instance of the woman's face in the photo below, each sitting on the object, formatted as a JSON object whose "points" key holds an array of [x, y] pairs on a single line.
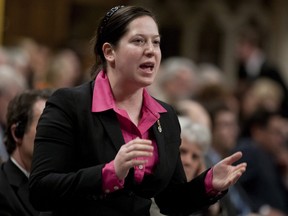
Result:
{"points": [[136, 58], [192, 158]]}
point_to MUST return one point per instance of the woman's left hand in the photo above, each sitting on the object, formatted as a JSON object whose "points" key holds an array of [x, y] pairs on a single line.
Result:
{"points": [[225, 174]]}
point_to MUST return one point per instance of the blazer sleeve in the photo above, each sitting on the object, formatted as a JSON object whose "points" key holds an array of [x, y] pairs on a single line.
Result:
{"points": [[186, 198], [55, 177], [181, 196]]}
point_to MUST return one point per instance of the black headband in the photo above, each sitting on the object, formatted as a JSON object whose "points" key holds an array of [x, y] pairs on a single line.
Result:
{"points": [[109, 14]]}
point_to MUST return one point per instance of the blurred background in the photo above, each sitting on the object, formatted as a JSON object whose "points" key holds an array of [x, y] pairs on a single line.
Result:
{"points": [[224, 66], [202, 30]]}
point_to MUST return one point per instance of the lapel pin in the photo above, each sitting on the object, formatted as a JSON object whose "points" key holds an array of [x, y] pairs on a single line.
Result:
{"points": [[159, 126]]}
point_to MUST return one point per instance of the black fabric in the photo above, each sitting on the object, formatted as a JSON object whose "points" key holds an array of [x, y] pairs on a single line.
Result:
{"points": [[73, 144], [14, 193]]}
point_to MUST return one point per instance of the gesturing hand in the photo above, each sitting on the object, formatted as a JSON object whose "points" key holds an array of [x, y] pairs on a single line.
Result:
{"points": [[126, 156], [225, 174]]}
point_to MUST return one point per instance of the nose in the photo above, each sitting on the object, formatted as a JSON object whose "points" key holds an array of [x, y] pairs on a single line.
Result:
{"points": [[186, 160], [149, 48]]}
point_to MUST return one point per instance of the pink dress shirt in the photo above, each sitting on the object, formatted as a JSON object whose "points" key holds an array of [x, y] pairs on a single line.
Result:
{"points": [[103, 100]]}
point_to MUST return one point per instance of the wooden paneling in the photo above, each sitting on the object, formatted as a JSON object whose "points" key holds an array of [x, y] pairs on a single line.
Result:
{"points": [[45, 21], [2, 6]]}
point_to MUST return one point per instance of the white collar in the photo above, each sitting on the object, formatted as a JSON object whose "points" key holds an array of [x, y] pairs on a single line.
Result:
{"points": [[254, 64], [26, 173]]}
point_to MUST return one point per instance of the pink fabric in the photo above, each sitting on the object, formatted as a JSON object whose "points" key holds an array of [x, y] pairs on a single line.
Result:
{"points": [[208, 184], [103, 100]]}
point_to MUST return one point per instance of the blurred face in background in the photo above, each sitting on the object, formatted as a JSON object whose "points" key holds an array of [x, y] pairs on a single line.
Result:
{"points": [[225, 131], [273, 138], [182, 86], [192, 158]]}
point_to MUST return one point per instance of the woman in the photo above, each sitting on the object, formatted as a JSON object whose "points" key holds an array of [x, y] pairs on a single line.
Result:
{"points": [[106, 147]]}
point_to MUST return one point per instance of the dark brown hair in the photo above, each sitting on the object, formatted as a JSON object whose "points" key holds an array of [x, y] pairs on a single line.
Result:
{"points": [[111, 29], [20, 112]]}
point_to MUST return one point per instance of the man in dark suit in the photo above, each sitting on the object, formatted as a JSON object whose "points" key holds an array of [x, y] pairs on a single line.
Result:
{"points": [[262, 182], [254, 64], [23, 114]]}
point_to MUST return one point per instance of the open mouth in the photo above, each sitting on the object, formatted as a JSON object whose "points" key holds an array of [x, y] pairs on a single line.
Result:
{"points": [[147, 66]]}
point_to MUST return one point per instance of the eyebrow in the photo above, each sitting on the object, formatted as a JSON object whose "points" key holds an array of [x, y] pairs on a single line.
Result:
{"points": [[143, 35]]}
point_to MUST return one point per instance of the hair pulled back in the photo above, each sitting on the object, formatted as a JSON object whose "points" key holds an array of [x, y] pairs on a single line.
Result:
{"points": [[111, 29]]}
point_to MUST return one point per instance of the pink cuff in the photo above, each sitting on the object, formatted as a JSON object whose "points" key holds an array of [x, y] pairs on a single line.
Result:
{"points": [[110, 181], [208, 184]]}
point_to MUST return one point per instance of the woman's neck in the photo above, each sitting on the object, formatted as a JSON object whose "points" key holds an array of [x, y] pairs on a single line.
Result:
{"points": [[127, 97], [132, 104]]}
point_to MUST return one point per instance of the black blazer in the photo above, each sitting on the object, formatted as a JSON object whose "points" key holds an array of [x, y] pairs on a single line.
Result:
{"points": [[14, 193], [73, 144]]}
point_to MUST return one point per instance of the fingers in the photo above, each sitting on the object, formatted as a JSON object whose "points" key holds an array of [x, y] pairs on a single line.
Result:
{"points": [[241, 166], [238, 171], [138, 148], [133, 153], [233, 158], [225, 174], [136, 162], [138, 144]]}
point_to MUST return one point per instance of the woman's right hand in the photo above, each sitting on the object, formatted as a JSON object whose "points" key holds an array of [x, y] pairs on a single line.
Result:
{"points": [[132, 154]]}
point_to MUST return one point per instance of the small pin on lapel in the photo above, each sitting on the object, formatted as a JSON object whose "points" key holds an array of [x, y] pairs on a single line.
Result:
{"points": [[159, 126]]}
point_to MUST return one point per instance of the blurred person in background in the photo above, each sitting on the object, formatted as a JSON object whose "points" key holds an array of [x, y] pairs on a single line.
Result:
{"points": [[210, 74], [254, 64], [282, 153], [261, 145], [11, 84], [64, 69], [39, 59], [195, 111], [225, 133], [225, 130], [214, 87], [4, 57], [177, 79], [210, 95], [261, 93], [196, 140], [23, 114], [19, 59], [232, 204]]}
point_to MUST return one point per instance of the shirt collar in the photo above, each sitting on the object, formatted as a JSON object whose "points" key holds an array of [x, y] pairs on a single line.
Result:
{"points": [[26, 173], [103, 97]]}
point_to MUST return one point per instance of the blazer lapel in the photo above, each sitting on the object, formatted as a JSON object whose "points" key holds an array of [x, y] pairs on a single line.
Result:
{"points": [[112, 127], [20, 184], [159, 136], [154, 181], [23, 192]]}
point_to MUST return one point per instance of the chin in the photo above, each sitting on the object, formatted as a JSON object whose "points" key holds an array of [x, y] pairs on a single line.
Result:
{"points": [[145, 83]]}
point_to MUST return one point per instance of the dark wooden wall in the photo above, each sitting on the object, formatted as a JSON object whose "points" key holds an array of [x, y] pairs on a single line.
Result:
{"points": [[51, 22]]}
